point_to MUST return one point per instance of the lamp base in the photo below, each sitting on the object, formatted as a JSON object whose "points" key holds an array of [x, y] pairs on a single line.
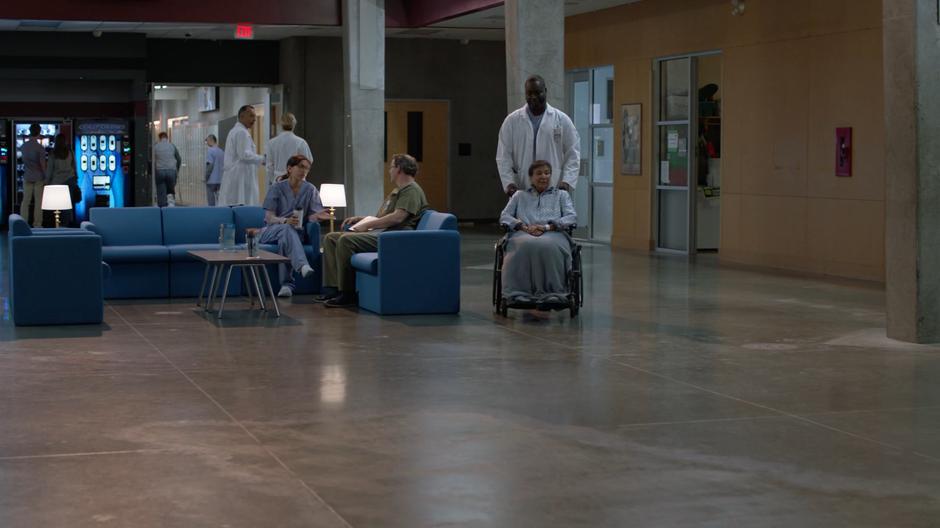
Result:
{"points": [[57, 222], [332, 218]]}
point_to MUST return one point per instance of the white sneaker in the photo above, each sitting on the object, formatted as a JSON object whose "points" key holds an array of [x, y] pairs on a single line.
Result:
{"points": [[170, 200], [306, 271], [285, 292]]}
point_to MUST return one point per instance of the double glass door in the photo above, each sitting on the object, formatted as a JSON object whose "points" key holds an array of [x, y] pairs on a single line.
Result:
{"points": [[687, 147], [590, 101]]}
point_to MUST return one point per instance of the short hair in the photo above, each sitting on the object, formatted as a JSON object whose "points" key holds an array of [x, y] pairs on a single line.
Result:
{"points": [[537, 78], [539, 163], [34, 129], [162, 135], [213, 138], [244, 109], [288, 121], [406, 164], [297, 159]]}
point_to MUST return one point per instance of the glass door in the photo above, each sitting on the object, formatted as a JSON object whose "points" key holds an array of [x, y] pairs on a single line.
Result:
{"points": [[579, 103], [591, 103], [673, 163]]}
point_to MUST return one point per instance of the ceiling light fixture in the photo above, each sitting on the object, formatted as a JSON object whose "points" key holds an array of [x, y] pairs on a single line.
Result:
{"points": [[737, 7]]}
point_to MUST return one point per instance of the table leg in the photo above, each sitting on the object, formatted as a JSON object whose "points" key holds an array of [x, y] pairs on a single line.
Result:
{"points": [[267, 280], [258, 290], [205, 277], [228, 277], [213, 286], [251, 298]]}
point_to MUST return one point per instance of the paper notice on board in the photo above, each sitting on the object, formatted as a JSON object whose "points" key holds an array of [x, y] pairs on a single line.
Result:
{"points": [[672, 140], [664, 172], [683, 147]]}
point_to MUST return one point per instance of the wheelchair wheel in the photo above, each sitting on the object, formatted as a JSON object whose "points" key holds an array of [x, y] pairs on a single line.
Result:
{"points": [[502, 307], [574, 309]]}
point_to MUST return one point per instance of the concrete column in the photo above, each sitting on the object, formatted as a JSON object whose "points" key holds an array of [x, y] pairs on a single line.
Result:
{"points": [[535, 44], [364, 117], [912, 169]]}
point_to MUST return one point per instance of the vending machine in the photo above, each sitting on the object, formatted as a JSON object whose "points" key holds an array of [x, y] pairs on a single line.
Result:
{"points": [[47, 134], [4, 171], [103, 163]]}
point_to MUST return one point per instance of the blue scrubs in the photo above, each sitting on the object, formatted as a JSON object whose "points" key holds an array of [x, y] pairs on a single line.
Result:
{"points": [[282, 201]]}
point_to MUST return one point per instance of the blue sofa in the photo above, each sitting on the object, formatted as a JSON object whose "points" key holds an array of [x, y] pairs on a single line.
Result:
{"points": [[55, 275], [147, 247], [413, 272]]}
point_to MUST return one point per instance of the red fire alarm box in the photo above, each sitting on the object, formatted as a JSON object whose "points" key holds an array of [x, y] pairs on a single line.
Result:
{"points": [[844, 151]]}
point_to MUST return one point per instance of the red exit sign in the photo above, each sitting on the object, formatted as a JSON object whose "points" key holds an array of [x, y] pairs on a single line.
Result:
{"points": [[244, 31]]}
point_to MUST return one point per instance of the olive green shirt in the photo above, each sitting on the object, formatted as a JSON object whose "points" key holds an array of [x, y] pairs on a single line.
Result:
{"points": [[410, 198]]}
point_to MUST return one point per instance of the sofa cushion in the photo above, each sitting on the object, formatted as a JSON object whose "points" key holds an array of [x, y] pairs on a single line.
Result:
{"points": [[128, 226], [194, 225], [180, 252], [367, 262], [124, 254], [433, 220], [246, 216]]}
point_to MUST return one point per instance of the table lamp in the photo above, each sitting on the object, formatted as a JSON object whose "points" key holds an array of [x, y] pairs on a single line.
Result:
{"points": [[333, 195], [56, 198]]}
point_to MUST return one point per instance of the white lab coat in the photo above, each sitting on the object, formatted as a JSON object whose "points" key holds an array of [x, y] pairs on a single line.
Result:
{"points": [[240, 169], [558, 144], [280, 149]]}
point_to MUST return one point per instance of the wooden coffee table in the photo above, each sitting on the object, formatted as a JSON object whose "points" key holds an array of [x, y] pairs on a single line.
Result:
{"points": [[254, 274]]}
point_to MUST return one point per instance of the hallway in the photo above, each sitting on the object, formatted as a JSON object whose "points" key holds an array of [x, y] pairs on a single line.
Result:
{"points": [[682, 395]]}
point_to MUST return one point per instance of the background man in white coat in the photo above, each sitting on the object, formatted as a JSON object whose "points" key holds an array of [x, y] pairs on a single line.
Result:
{"points": [[240, 167], [538, 131], [283, 147]]}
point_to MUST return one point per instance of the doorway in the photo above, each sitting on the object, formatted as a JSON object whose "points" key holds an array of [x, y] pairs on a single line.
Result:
{"points": [[590, 100], [421, 129], [687, 143]]}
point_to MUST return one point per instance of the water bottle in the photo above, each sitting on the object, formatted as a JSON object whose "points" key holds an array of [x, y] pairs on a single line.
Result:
{"points": [[226, 237], [251, 241]]}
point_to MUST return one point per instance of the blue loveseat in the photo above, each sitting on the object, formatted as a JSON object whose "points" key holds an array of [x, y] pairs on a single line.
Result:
{"points": [[146, 248], [55, 275], [413, 272]]}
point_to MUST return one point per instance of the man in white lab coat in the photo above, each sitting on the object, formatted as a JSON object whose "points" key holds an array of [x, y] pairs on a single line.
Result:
{"points": [[283, 147], [240, 167], [538, 131]]}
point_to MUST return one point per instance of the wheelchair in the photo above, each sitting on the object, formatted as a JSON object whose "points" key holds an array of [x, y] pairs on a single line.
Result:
{"points": [[575, 295]]}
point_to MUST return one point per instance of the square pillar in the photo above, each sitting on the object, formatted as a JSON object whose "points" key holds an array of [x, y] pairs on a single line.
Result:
{"points": [[364, 104], [535, 44]]}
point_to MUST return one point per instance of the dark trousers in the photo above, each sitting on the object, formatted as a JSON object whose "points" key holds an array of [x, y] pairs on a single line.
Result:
{"points": [[165, 180], [338, 248]]}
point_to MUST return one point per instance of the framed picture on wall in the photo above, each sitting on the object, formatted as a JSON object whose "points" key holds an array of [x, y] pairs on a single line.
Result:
{"points": [[631, 120]]}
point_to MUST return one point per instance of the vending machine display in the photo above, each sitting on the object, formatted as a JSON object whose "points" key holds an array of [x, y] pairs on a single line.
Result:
{"points": [[104, 182], [48, 131], [4, 170]]}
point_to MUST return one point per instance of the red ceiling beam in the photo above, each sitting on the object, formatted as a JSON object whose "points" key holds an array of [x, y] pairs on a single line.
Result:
{"points": [[426, 12], [398, 13], [296, 12]]}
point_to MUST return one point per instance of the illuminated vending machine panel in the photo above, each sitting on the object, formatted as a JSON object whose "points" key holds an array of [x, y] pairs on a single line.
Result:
{"points": [[103, 150], [47, 134], [4, 171]]}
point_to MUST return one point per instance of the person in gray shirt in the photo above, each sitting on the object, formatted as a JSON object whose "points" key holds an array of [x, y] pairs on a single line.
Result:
{"points": [[166, 163], [34, 175]]}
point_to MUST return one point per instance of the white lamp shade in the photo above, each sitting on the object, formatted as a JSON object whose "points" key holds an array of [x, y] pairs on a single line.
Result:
{"points": [[56, 198], [333, 195]]}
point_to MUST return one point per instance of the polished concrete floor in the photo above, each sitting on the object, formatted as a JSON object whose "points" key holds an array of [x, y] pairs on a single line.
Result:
{"points": [[683, 395]]}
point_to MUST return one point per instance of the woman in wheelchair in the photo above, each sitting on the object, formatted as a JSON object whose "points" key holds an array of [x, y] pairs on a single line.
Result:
{"points": [[537, 258]]}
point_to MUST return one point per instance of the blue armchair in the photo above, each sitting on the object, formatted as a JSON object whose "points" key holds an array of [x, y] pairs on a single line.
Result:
{"points": [[55, 275], [413, 272]]}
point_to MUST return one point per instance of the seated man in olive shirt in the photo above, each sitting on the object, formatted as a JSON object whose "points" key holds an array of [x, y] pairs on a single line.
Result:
{"points": [[401, 210]]}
